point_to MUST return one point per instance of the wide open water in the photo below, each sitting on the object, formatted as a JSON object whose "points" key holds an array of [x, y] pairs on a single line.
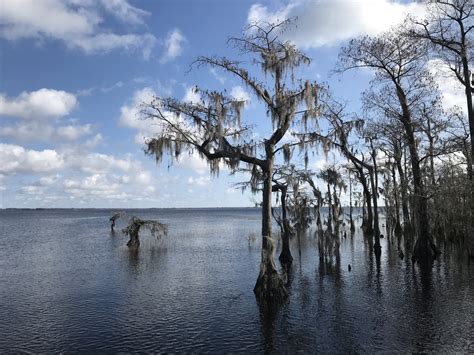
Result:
{"points": [[68, 285]]}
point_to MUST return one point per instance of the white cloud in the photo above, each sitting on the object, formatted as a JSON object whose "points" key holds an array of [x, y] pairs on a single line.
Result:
{"points": [[15, 159], [73, 132], [96, 184], [100, 163], [106, 42], [143, 178], [74, 22], [130, 115], [230, 191], [94, 141], [199, 181], [38, 131], [40, 104], [173, 45], [451, 89], [28, 131], [192, 95], [193, 162], [125, 12], [216, 75], [239, 93], [49, 180], [117, 85], [324, 22]]}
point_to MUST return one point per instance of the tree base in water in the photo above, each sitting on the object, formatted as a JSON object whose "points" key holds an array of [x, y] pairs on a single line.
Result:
{"points": [[134, 242], [270, 287], [377, 250], [424, 250], [285, 257]]}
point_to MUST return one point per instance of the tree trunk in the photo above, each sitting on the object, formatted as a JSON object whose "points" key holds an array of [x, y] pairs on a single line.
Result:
{"points": [[470, 114], [269, 287], [351, 220], [330, 211], [424, 247], [134, 241], [407, 228], [398, 227], [369, 230], [285, 255], [374, 183]]}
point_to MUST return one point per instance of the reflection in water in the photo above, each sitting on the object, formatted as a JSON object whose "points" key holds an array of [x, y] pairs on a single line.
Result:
{"points": [[134, 260], [66, 286], [268, 315]]}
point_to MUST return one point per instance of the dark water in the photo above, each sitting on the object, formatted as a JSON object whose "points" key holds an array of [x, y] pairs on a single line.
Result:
{"points": [[68, 285]]}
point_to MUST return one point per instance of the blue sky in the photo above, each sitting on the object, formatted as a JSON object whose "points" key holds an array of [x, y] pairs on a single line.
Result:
{"points": [[73, 71]]}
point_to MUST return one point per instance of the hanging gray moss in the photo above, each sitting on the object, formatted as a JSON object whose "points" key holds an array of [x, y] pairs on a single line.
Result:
{"points": [[136, 224]]}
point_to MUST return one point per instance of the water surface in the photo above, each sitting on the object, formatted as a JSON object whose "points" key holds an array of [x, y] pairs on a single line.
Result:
{"points": [[68, 285]]}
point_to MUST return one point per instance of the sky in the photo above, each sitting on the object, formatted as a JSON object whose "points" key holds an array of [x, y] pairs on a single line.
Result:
{"points": [[72, 73]]}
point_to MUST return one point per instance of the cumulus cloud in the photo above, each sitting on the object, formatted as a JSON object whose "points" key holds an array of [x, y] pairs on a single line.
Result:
{"points": [[27, 131], [97, 183], [100, 163], [130, 115], [74, 22], [40, 113], [41, 132], [173, 45], [91, 178], [324, 22], [73, 132], [94, 141], [41, 104], [16, 159]]}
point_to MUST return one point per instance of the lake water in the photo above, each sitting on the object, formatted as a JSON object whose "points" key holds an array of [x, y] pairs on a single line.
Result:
{"points": [[68, 285]]}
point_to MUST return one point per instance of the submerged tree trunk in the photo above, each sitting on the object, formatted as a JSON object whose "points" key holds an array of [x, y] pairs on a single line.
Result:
{"points": [[112, 220], [351, 220], [134, 241], [369, 231], [424, 248], [330, 211], [407, 228], [470, 111], [269, 286], [398, 227], [285, 255], [374, 182]]}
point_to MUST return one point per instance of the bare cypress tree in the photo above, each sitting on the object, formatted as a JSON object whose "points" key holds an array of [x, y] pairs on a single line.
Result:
{"points": [[449, 28], [337, 136], [401, 83], [213, 128], [296, 205]]}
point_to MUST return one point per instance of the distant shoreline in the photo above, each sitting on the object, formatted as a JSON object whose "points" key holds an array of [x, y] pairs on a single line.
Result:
{"points": [[117, 208], [138, 208]]}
